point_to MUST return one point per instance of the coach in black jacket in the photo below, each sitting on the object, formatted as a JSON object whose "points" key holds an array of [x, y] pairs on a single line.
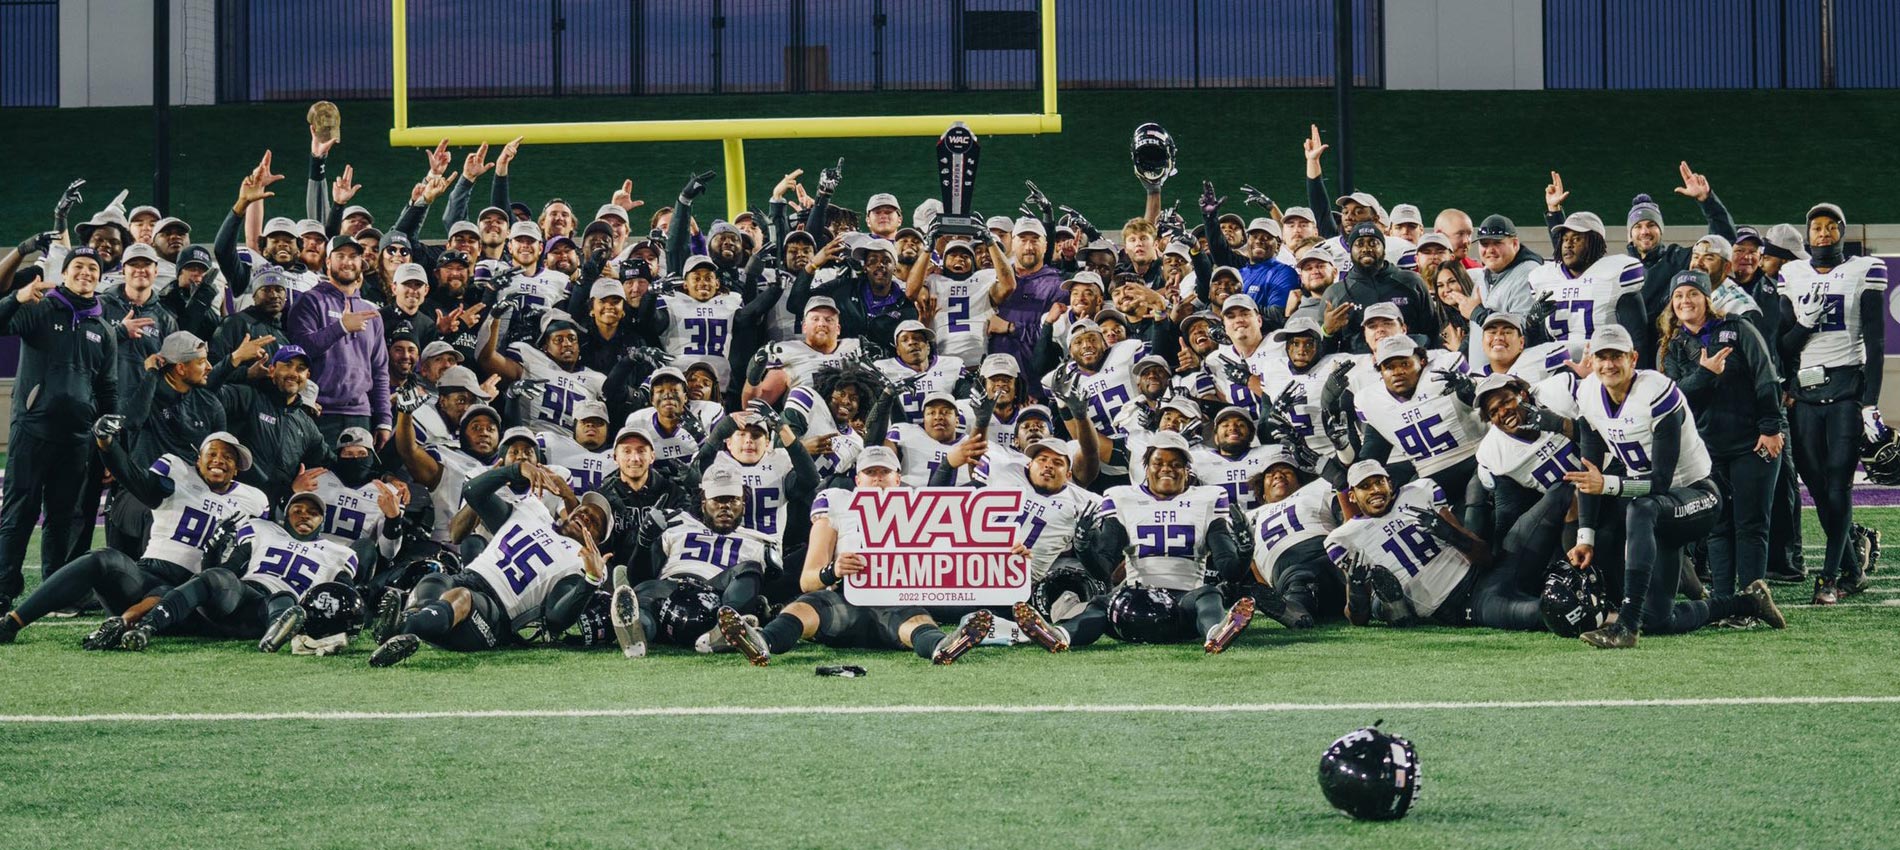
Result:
{"points": [[66, 381]]}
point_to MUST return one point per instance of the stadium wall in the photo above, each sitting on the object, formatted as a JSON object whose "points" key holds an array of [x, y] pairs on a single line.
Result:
{"points": [[105, 52], [1464, 44]]}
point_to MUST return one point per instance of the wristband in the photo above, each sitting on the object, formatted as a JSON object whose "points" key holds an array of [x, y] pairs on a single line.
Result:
{"points": [[1587, 537], [828, 576], [1612, 485]]}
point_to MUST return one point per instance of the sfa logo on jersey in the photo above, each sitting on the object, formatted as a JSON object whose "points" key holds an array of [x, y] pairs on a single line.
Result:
{"points": [[939, 546]]}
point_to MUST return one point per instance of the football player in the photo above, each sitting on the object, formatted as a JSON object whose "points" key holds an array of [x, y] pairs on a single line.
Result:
{"points": [[549, 380], [1522, 461], [917, 370], [783, 366], [708, 572], [1502, 339], [938, 440], [1235, 459], [1289, 541], [829, 414], [1587, 287], [1002, 384], [965, 296], [443, 470], [1663, 499], [359, 511], [696, 322], [823, 615], [536, 570], [1237, 366], [1405, 548], [586, 456], [1421, 419], [1833, 333], [187, 502], [673, 419], [1292, 377], [771, 464], [1169, 537], [257, 591]]}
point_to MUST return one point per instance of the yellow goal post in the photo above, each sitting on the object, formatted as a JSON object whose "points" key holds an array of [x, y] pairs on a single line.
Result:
{"points": [[732, 132]]}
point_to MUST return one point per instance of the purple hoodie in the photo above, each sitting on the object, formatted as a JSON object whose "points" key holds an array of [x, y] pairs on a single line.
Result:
{"points": [[351, 370]]}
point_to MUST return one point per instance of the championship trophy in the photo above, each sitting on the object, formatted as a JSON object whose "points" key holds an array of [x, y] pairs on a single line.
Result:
{"points": [[956, 174]]}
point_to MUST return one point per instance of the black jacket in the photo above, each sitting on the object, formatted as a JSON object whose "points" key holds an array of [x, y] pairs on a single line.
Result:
{"points": [[1743, 403], [195, 309], [252, 322], [132, 352], [1385, 283], [160, 420], [67, 375], [280, 434]]}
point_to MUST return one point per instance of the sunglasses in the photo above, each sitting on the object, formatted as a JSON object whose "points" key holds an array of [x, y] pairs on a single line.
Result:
{"points": [[395, 249]]}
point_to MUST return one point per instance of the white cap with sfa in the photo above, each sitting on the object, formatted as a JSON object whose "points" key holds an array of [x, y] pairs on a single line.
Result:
{"points": [[1359, 472], [721, 483], [877, 457]]}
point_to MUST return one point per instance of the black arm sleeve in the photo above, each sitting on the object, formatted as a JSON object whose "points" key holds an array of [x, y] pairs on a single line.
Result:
{"points": [[224, 248], [564, 603], [802, 484], [1764, 381], [679, 230], [1720, 223], [456, 208], [1322, 208], [1217, 246], [498, 196], [149, 488], [1105, 548], [1591, 447], [1631, 315], [483, 494], [1873, 334], [1223, 554]]}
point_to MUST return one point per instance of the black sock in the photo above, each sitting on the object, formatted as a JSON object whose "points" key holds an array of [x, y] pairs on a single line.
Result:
{"points": [[782, 633], [1208, 613], [925, 639], [431, 622]]}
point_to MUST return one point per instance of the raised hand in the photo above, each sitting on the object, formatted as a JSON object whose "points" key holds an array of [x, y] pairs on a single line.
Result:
{"points": [[256, 185], [434, 185], [319, 148], [345, 186], [1235, 371], [107, 428], [357, 320], [135, 326], [623, 197], [1717, 362], [388, 502], [828, 178], [33, 292], [250, 349], [1554, 194], [1077, 221], [696, 186], [786, 184], [1693, 185], [507, 157], [1037, 205], [67, 200], [475, 163], [1459, 383], [1256, 197], [439, 158], [1313, 148], [1210, 205], [525, 388]]}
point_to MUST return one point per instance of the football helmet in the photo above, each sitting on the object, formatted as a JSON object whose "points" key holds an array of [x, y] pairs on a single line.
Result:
{"points": [[1881, 457], [1153, 152], [1142, 615], [335, 608], [1370, 775], [692, 610], [1064, 578], [1573, 601]]}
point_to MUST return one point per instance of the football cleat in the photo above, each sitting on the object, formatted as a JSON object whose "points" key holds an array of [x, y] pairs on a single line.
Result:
{"points": [[1873, 549], [1612, 636], [106, 636], [742, 634], [1052, 638], [136, 637], [966, 637], [1825, 593], [1386, 586], [9, 627], [287, 625], [383, 626], [1765, 604], [624, 613], [394, 650], [1790, 576], [1230, 627], [1270, 602]]}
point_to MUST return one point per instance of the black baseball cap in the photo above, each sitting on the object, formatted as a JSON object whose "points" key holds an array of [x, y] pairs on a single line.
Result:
{"points": [[1496, 227]]}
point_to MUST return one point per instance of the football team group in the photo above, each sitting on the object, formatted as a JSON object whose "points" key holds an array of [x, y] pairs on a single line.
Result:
{"points": [[645, 426]]}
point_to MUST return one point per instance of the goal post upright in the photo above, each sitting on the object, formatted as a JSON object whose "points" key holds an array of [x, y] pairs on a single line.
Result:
{"points": [[730, 132]]}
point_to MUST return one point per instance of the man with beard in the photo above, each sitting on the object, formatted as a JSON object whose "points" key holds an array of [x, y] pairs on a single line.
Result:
{"points": [[190, 295], [1235, 459], [780, 367], [1504, 285], [546, 381], [1168, 537], [454, 306], [697, 323], [1154, 386], [187, 500], [343, 335], [823, 615], [263, 406], [538, 570], [965, 297], [281, 245], [1289, 533], [869, 301], [918, 370], [1423, 423], [68, 376], [1038, 287], [933, 442], [443, 469], [1002, 383], [264, 319], [1053, 509], [1262, 276], [584, 455], [1587, 288], [829, 415], [525, 285], [1197, 344], [456, 390], [677, 430], [1522, 461], [361, 511], [909, 244], [1659, 262], [1292, 380], [705, 570], [1372, 280]]}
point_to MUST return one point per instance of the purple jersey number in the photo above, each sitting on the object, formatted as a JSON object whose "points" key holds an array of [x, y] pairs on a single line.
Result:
{"points": [[522, 558], [1164, 541]]}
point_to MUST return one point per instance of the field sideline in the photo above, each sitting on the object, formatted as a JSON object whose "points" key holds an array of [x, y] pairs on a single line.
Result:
{"points": [[1713, 739]]}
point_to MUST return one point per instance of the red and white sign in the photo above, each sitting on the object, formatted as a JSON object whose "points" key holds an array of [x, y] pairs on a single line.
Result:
{"points": [[939, 546]]}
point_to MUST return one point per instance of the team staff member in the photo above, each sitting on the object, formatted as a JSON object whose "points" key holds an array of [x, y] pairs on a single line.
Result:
{"points": [[1727, 374], [263, 405], [67, 380], [343, 336], [1372, 280]]}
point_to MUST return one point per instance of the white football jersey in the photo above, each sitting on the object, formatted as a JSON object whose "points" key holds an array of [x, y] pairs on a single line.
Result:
{"points": [[1308, 419], [801, 361], [538, 291], [1239, 394], [1277, 527], [675, 444], [1231, 474], [1588, 301], [1365, 377], [766, 483], [963, 314], [1536, 363], [920, 454], [446, 495], [780, 324], [941, 375], [182, 523], [551, 406], [281, 563], [525, 560], [1167, 538], [1837, 338], [694, 550], [1428, 570], [350, 513], [1109, 388], [1629, 428], [1046, 526], [586, 469], [1433, 429], [431, 429], [701, 331], [1539, 460]]}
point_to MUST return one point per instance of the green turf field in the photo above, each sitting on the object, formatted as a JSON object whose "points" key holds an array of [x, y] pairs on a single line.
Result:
{"points": [[1525, 740], [1484, 151]]}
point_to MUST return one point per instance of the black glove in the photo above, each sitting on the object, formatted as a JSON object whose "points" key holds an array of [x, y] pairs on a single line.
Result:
{"points": [[1339, 429], [1037, 205], [1170, 219], [1540, 314], [67, 200], [1235, 371], [1085, 528], [1459, 383], [756, 368], [696, 186], [1210, 205], [985, 410], [694, 427], [595, 262], [652, 524], [107, 428], [1079, 223], [223, 535], [767, 415], [666, 285], [1275, 425], [38, 242], [1242, 529], [1257, 197], [1434, 524], [411, 398], [1539, 418], [828, 178], [652, 357], [1303, 455], [1150, 417], [525, 388], [1335, 387]]}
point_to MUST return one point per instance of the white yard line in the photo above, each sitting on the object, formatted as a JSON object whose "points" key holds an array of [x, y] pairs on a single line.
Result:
{"points": [[831, 710]]}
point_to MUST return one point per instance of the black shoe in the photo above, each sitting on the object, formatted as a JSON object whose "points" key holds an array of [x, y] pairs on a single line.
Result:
{"points": [[287, 625], [105, 637], [1765, 604], [136, 638], [1612, 636], [1824, 592], [1873, 551], [394, 650], [9, 628], [6, 605], [1793, 576], [383, 627], [1853, 584], [1270, 602]]}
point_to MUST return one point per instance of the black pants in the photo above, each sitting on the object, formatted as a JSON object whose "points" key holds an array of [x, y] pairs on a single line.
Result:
{"points": [[1827, 441], [1306, 578], [1647, 534], [841, 625], [120, 582], [1738, 548], [86, 510], [1497, 602], [428, 617], [226, 606], [1535, 538], [1195, 612], [738, 588], [1784, 528], [332, 424], [43, 478], [128, 522]]}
